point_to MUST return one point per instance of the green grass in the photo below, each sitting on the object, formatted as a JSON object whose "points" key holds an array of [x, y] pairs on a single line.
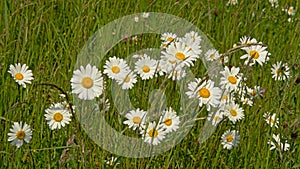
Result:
{"points": [[48, 35]]}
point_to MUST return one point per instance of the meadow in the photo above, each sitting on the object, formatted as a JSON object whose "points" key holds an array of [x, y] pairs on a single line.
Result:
{"points": [[48, 36]]}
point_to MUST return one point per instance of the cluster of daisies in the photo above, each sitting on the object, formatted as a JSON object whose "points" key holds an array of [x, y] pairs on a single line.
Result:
{"points": [[177, 54], [57, 115], [153, 132], [276, 143], [232, 93]]}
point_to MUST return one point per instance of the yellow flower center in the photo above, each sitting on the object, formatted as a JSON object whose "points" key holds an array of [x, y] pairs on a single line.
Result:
{"points": [[212, 56], [203, 92], [170, 39], [232, 79], [217, 118], [290, 10], [21, 135], [115, 69], [127, 79], [19, 76], [168, 122], [254, 54], [253, 93], [271, 120], [58, 117], [180, 56], [229, 138], [225, 97], [87, 82], [153, 133], [136, 120], [146, 69], [233, 112]]}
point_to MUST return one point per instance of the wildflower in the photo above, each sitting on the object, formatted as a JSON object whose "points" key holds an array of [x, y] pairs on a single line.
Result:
{"points": [[291, 11], [115, 67], [215, 118], [255, 53], [231, 79], [21, 74], [169, 120], [255, 92], [180, 54], [206, 92], [87, 82], [127, 80], [136, 19], [177, 73], [57, 116], [146, 67], [19, 133], [274, 3], [232, 2], [212, 54], [135, 119], [153, 134], [230, 139], [271, 120], [145, 15], [234, 112], [278, 144], [168, 37], [112, 161], [280, 71]]}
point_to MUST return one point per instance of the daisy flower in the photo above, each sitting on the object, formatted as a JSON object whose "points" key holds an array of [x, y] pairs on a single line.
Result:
{"points": [[215, 118], [206, 92], [112, 161], [177, 74], [280, 71], [234, 112], [271, 120], [145, 15], [87, 82], [136, 19], [135, 119], [57, 116], [246, 100], [291, 11], [19, 133], [192, 41], [232, 2], [146, 67], [231, 78], [192, 36], [246, 40], [169, 120], [127, 80], [115, 67], [274, 3], [255, 92], [154, 134], [278, 144], [168, 37], [21, 74], [226, 98], [179, 53], [212, 54], [255, 53], [230, 139]]}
